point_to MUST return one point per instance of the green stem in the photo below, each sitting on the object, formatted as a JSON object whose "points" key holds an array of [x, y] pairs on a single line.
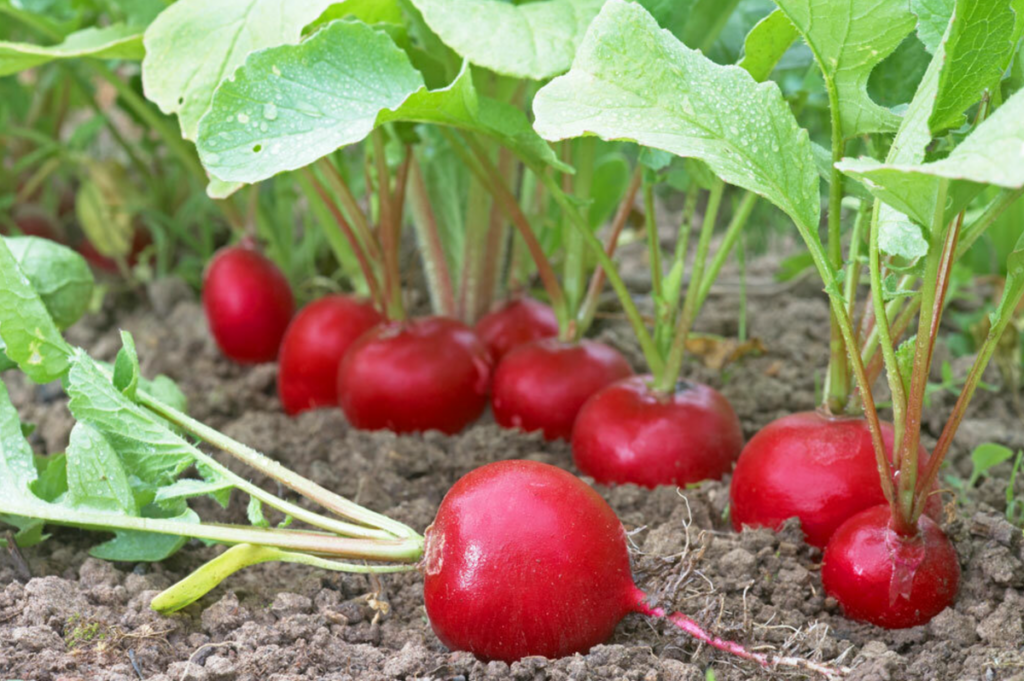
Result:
{"points": [[307, 176], [439, 275], [907, 440], [575, 273], [995, 208], [650, 351], [853, 267], [264, 464], [405, 548], [153, 119], [653, 245], [665, 381], [203, 580], [589, 307], [1003, 317], [389, 232], [892, 368], [837, 386], [480, 165], [741, 262], [732, 233], [356, 216]]}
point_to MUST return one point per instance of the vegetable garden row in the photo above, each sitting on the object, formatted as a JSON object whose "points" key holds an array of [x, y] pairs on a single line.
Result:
{"points": [[415, 207]]}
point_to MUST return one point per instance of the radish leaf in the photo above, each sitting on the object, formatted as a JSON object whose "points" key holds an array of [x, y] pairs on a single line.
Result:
{"points": [[96, 478], [537, 40], [118, 41], [632, 80], [58, 274], [849, 40], [194, 44], [766, 43], [29, 334], [291, 105]]}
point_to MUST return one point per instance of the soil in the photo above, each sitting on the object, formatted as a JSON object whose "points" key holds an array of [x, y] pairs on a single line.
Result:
{"points": [[82, 618]]}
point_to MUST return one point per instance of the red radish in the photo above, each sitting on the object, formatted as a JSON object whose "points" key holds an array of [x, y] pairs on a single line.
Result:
{"points": [[524, 558], [629, 433], [542, 385], [431, 373], [516, 323], [817, 468], [312, 348], [141, 240], [248, 304], [32, 224], [888, 580]]}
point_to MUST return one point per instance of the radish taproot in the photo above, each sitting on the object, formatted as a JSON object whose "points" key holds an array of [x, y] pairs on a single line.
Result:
{"points": [[542, 385], [516, 323], [248, 304], [312, 349], [887, 579], [818, 468], [524, 558], [430, 373], [629, 433]]}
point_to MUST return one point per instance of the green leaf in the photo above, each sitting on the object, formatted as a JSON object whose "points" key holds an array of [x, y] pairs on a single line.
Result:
{"points": [[993, 154], [188, 488], [110, 42], [932, 19], [29, 334], [148, 449], [53, 477], [133, 546], [535, 40], [126, 367], [986, 456], [897, 236], [58, 274], [766, 43], [895, 80], [672, 15], [274, 116], [17, 466], [849, 39], [165, 390], [633, 81], [195, 44], [905, 361], [255, 513], [982, 38], [290, 105], [96, 478], [367, 11]]}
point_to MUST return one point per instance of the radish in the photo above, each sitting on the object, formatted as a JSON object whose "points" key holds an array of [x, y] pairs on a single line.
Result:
{"points": [[542, 385], [516, 323], [818, 468], [312, 348], [248, 304], [430, 373], [628, 433], [888, 580], [524, 558]]}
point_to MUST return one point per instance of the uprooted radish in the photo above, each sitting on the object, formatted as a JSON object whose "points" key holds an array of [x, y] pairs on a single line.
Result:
{"points": [[552, 577]]}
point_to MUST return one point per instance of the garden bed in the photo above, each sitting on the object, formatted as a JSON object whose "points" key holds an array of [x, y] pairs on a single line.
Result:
{"points": [[81, 618]]}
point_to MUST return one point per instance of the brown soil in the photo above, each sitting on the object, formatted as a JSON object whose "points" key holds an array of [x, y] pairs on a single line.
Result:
{"points": [[81, 618]]}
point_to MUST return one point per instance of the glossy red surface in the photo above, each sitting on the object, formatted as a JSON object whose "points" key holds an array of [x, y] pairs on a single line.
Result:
{"points": [[312, 348], [525, 559], [430, 373], [543, 385], [516, 323], [821, 470], [627, 433], [248, 304], [889, 581]]}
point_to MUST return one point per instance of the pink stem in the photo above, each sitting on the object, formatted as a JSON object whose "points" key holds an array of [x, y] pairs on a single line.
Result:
{"points": [[694, 629]]}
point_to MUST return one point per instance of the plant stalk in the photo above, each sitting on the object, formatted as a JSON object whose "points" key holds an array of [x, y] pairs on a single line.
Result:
{"points": [[438, 273], [665, 382]]}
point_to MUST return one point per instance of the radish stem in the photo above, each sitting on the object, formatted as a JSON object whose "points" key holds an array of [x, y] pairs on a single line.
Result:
{"points": [[436, 261]]}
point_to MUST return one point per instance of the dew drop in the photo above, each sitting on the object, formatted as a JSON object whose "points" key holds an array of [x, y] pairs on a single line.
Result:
{"points": [[243, 118], [270, 111]]}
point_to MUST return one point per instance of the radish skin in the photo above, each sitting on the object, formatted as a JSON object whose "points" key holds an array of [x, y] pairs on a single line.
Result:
{"points": [[516, 323], [524, 558]]}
